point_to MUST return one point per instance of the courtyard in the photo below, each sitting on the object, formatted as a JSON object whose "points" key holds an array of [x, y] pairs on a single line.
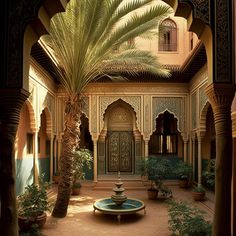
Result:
{"points": [[81, 220]]}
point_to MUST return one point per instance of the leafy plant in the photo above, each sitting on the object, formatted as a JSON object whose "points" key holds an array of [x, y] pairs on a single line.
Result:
{"points": [[157, 170], [34, 201], [186, 220], [82, 158], [199, 189], [209, 174], [183, 170]]}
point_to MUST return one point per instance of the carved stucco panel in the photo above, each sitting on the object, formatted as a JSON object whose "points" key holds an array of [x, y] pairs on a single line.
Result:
{"points": [[134, 101], [147, 116], [85, 105], [94, 127], [174, 105], [194, 110], [202, 98], [201, 10], [223, 41]]}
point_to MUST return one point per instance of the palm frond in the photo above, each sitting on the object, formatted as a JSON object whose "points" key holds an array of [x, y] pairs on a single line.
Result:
{"points": [[134, 61], [82, 39]]}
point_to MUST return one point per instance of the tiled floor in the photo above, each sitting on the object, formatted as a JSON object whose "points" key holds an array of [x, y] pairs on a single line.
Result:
{"points": [[81, 220]]}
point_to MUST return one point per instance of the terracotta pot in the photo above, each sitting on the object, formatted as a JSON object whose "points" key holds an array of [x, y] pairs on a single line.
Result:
{"points": [[152, 194], [183, 183], [75, 191], [25, 223], [56, 179], [198, 196]]}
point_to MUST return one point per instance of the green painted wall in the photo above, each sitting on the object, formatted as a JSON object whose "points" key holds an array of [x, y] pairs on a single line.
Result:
{"points": [[24, 174]]}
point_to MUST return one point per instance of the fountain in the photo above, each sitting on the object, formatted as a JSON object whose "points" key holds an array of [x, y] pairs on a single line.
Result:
{"points": [[118, 204], [118, 198]]}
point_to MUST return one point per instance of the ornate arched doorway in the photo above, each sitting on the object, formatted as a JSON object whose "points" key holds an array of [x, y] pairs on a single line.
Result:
{"points": [[118, 140]]}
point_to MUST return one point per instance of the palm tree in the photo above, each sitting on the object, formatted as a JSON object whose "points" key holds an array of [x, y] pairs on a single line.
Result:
{"points": [[83, 40]]}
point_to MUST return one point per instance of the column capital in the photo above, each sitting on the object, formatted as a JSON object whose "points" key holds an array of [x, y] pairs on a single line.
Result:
{"points": [[220, 95], [11, 101], [200, 134], [185, 137]]}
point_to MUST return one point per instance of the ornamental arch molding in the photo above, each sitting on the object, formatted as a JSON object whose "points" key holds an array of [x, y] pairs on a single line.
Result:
{"points": [[48, 121], [203, 116], [31, 115], [174, 105], [133, 101]]}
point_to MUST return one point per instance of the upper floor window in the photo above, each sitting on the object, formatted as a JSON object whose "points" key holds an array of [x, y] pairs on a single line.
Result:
{"points": [[168, 36]]}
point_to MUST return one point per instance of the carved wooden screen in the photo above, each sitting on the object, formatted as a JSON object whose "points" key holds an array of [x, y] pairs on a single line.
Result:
{"points": [[120, 151]]}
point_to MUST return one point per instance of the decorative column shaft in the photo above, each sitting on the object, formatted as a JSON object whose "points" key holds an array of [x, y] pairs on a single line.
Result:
{"points": [[193, 156], [95, 161], [146, 152], [199, 137], [221, 96], [185, 150], [11, 102], [51, 155], [36, 161]]}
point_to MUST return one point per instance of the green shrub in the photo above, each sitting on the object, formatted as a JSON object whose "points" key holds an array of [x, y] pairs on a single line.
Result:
{"points": [[157, 170], [209, 174], [186, 220], [183, 170]]}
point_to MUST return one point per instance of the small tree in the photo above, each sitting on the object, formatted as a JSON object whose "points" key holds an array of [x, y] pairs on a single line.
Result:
{"points": [[157, 170], [82, 159]]}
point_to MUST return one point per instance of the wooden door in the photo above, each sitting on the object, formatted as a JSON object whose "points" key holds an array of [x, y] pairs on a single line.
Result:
{"points": [[120, 151]]}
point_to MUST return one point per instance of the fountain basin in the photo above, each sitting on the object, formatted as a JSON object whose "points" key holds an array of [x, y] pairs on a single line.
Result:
{"points": [[130, 206]]}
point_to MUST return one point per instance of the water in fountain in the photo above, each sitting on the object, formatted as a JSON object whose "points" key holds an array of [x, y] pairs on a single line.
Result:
{"points": [[119, 197]]}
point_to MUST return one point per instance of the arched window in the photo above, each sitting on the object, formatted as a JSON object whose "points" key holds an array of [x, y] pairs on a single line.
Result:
{"points": [[168, 36], [164, 139]]}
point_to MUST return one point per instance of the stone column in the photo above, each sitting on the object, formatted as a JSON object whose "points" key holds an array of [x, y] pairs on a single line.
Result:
{"points": [[185, 149], [36, 163], [11, 101], [199, 139], [95, 161], [221, 96], [146, 151], [193, 155], [51, 155]]}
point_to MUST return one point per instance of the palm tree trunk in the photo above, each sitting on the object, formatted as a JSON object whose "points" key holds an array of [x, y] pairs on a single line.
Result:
{"points": [[70, 142]]}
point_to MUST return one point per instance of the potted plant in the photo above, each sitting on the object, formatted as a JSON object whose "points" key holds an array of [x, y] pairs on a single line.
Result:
{"points": [[82, 159], [209, 174], [156, 170], [185, 219], [56, 177], [198, 193], [183, 170], [32, 206]]}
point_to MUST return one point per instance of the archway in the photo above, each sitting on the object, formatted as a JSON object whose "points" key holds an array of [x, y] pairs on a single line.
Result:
{"points": [[45, 155], [118, 139]]}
